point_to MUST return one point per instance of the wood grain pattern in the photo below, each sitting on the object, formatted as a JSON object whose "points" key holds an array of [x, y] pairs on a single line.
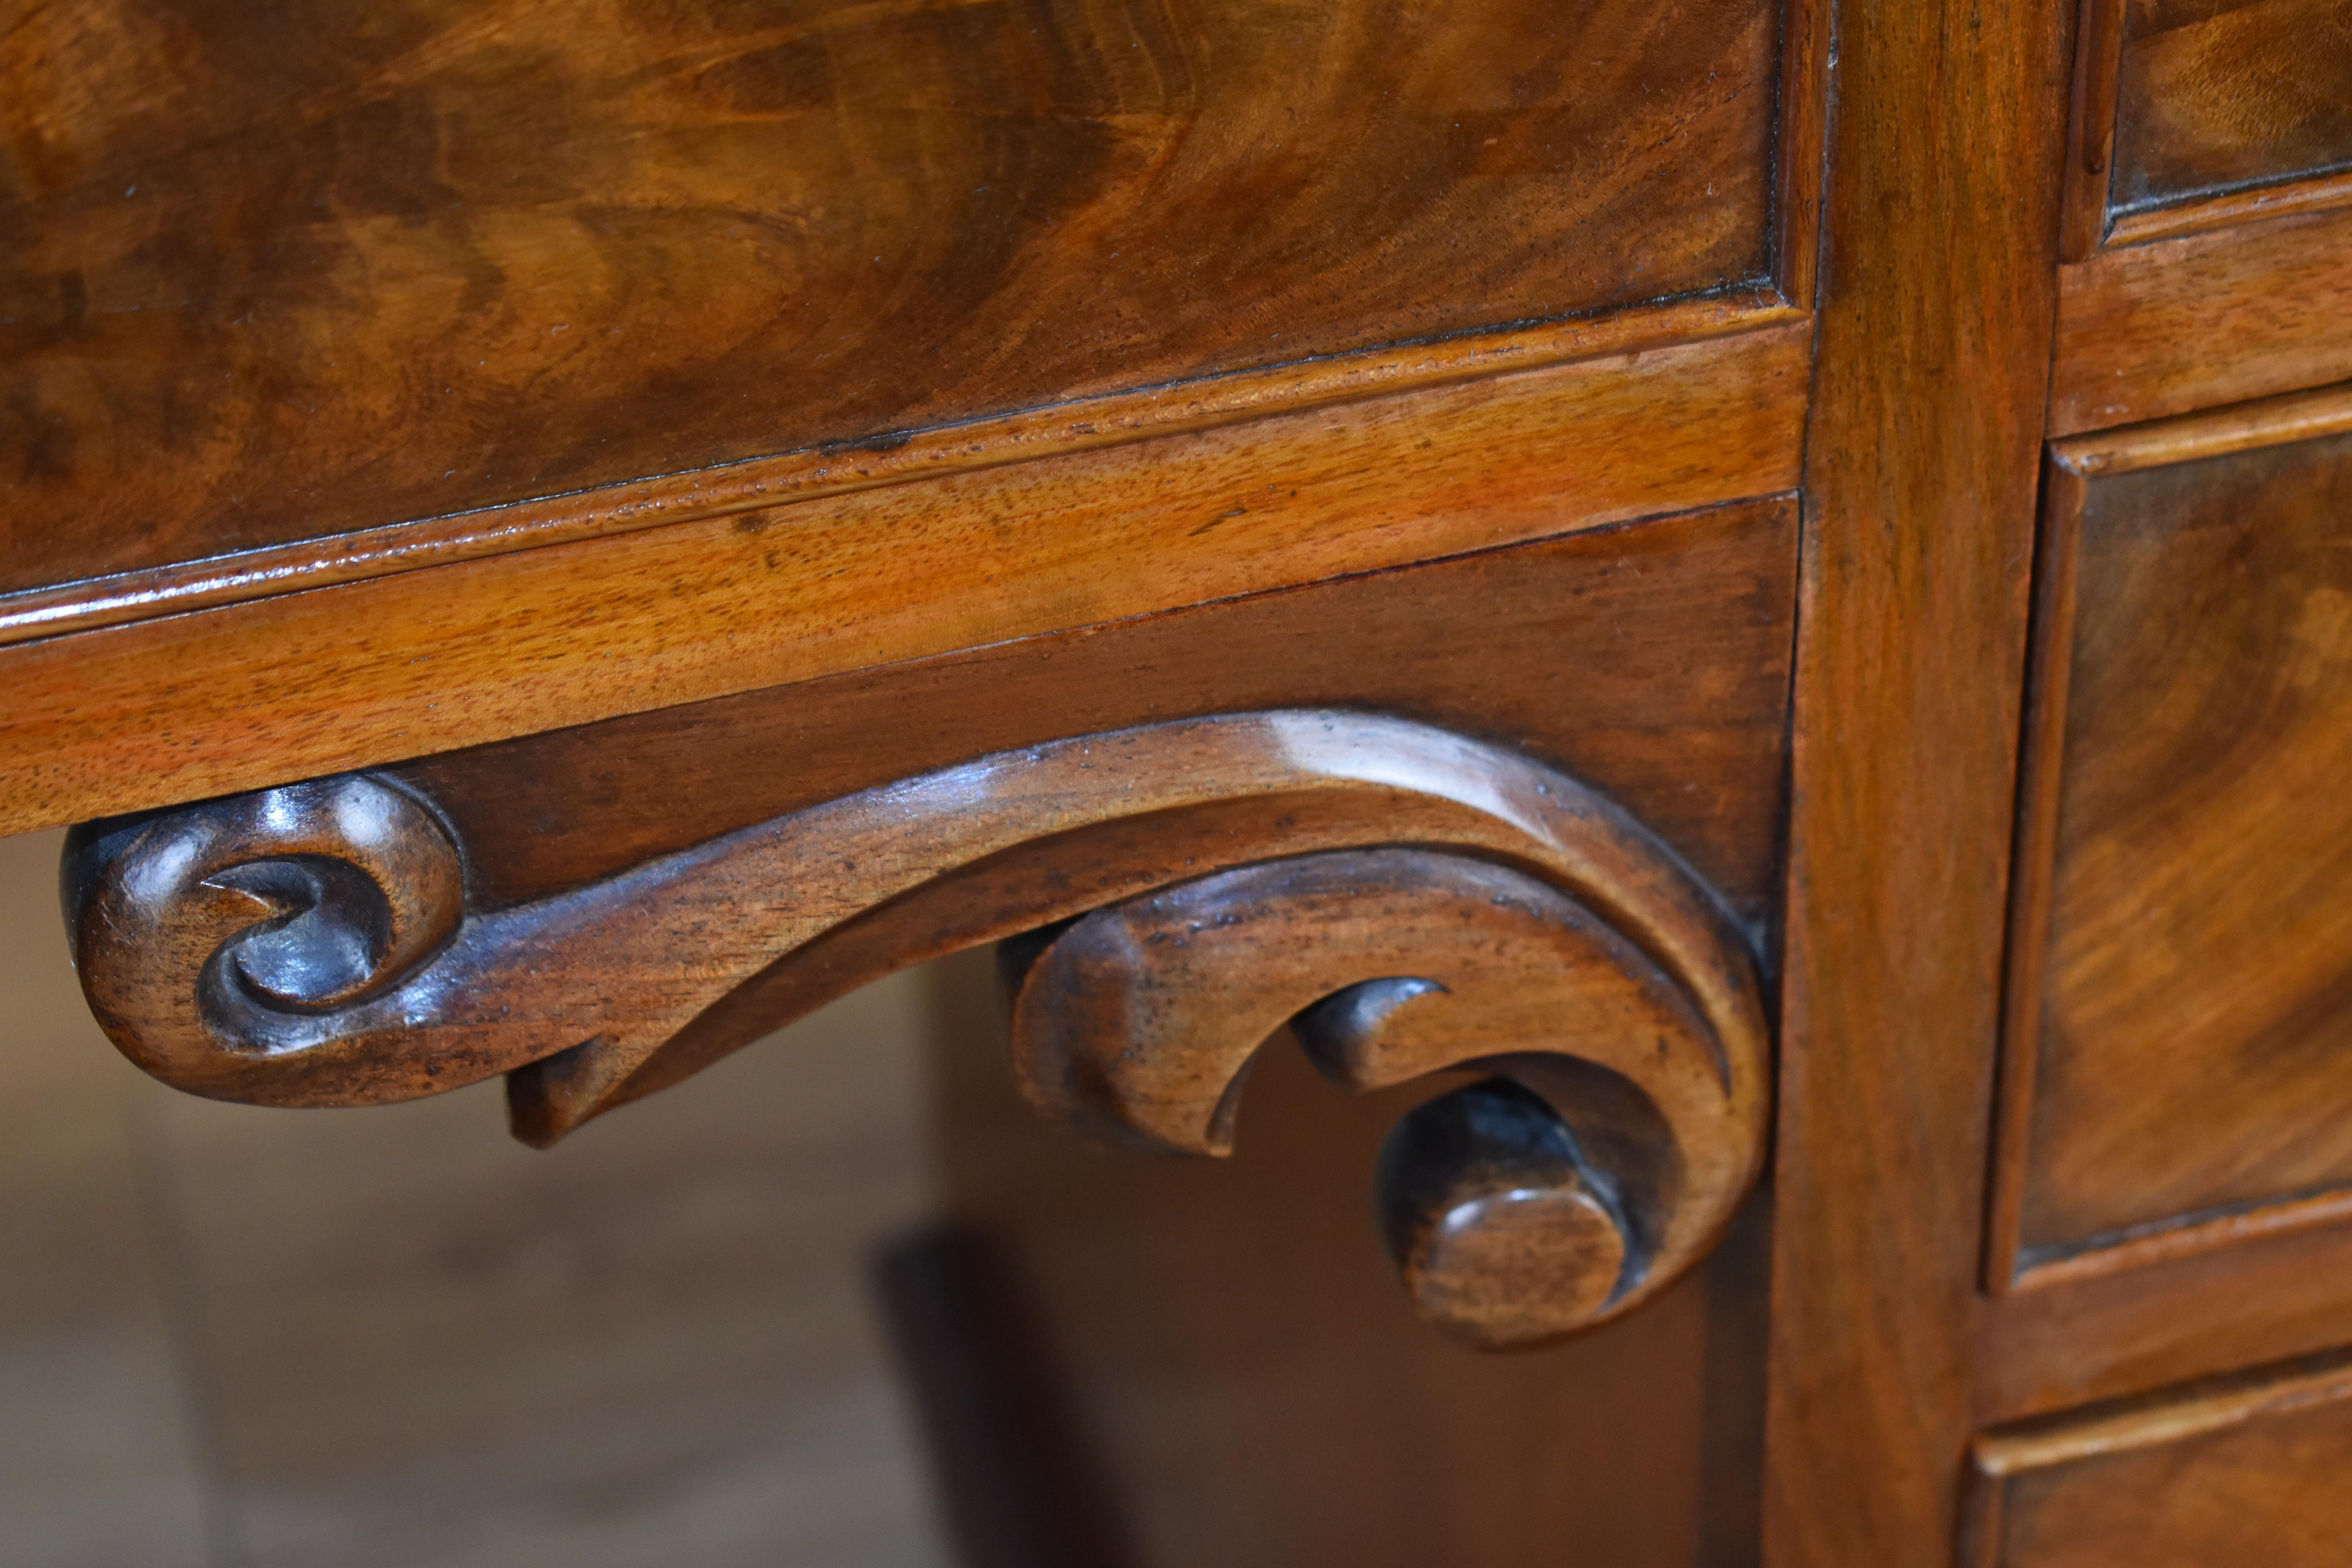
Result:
{"points": [[372, 672], [2200, 114], [311, 945], [2248, 1469], [2227, 208], [1081, 425], [2214, 93], [2091, 128], [1599, 1165], [1922, 450], [1652, 660], [2203, 320], [277, 276], [2173, 1020], [1308, 1417], [2269, 1292]]}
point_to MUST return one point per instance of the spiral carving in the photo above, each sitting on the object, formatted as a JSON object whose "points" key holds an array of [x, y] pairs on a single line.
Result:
{"points": [[273, 913], [1604, 1156], [313, 945]]}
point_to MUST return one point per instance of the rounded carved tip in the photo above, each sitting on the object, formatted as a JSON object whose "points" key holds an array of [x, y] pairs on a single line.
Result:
{"points": [[225, 944], [1503, 1237]]}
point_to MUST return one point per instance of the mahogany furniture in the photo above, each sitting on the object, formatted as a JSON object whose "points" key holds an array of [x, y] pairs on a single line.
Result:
{"points": [[1751, 598]]}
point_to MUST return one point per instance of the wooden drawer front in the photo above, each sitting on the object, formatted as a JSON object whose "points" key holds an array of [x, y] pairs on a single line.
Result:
{"points": [[2253, 1472], [2181, 1027], [2208, 197], [282, 276], [2211, 95]]}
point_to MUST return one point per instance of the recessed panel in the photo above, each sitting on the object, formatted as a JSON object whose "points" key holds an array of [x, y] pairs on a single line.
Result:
{"points": [[2216, 93], [274, 272], [2195, 1039]]}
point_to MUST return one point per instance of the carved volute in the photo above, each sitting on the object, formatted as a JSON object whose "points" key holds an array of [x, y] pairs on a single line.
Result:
{"points": [[1600, 1160], [1405, 899]]}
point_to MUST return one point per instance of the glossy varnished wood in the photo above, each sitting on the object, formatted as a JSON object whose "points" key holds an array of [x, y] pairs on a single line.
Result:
{"points": [[1080, 425], [2249, 1469], [372, 672], [1652, 660], [1937, 295], [2222, 315], [2089, 174], [1306, 1417], [1605, 1157], [275, 276], [313, 945], [2210, 95], [2196, 115], [2271, 1291], [2174, 1074]]}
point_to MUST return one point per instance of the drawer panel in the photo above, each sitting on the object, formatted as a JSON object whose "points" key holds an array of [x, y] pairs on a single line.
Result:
{"points": [[2251, 1471], [2181, 969], [273, 275]]}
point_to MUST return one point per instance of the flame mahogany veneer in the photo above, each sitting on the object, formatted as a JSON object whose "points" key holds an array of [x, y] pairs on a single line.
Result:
{"points": [[1802, 651]]}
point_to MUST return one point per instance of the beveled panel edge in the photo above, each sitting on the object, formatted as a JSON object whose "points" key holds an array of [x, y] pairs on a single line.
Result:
{"points": [[1089, 423], [2232, 206], [2073, 464], [1998, 1456], [358, 674], [2091, 128], [2203, 320], [2165, 1416], [2191, 1316], [2088, 224], [2162, 1241], [1801, 149], [2210, 433], [2050, 638]]}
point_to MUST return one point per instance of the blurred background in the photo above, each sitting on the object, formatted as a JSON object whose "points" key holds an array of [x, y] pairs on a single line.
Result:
{"points": [[242, 1338], [841, 1302]]}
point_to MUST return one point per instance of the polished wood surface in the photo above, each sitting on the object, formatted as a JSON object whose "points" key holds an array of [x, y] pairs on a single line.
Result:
{"points": [[1928, 413], [2234, 206], [1623, 1127], [2147, 331], [2173, 1037], [2250, 1469], [1081, 425], [2089, 171], [2193, 114], [314, 945], [1307, 1417], [1217, 396], [378, 671], [283, 274], [1652, 660], [2214, 93], [2268, 1291]]}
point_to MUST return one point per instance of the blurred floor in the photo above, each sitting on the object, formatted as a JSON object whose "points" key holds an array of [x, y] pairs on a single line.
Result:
{"points": [[392, 1338]]}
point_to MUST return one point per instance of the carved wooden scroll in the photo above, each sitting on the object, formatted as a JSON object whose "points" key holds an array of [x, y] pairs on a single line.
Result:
{"points": [[1409, 900]]}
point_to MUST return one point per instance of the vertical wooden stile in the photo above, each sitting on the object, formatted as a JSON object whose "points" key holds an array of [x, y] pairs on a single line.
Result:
{"points": [[1935, 305]]}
